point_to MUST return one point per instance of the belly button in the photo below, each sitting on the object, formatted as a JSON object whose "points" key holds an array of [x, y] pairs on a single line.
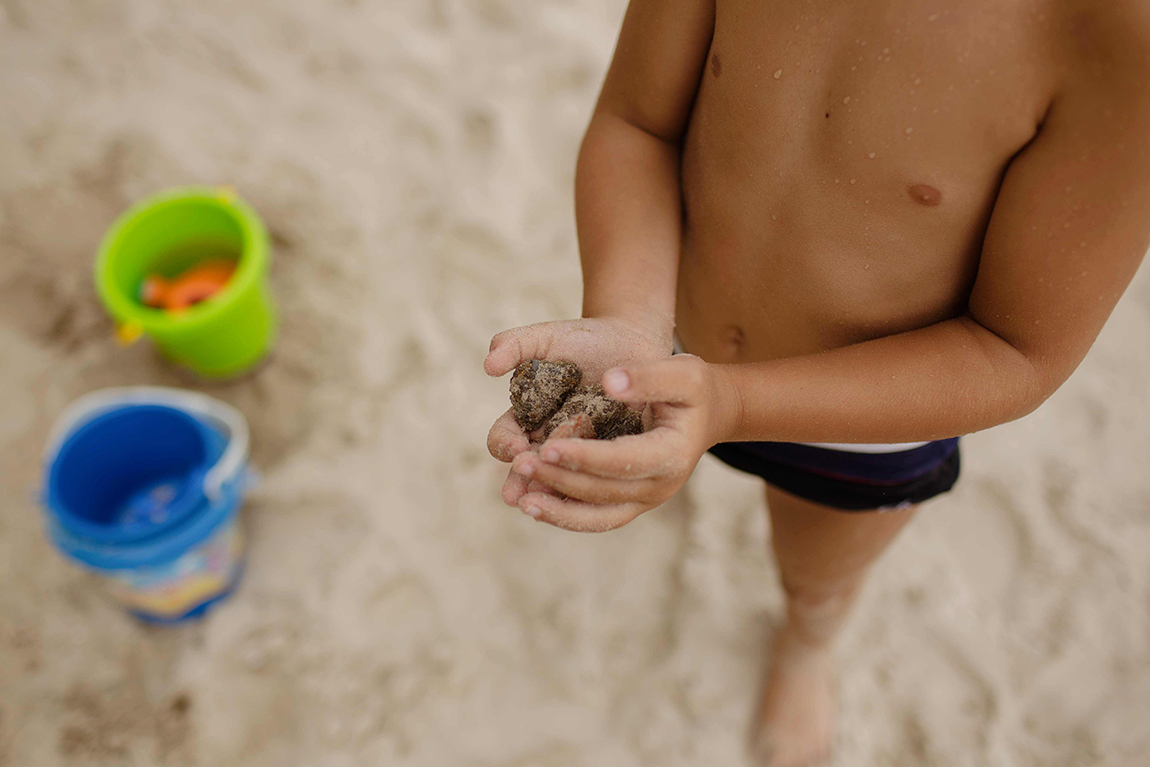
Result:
{"points": [[736, 339], [925, 194]]}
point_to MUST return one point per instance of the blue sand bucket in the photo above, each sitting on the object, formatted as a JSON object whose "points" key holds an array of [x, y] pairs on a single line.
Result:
{"points": [[143, 487]]}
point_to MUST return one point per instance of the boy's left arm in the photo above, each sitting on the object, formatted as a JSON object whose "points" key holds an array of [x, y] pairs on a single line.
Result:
{"points": [[1069, 229]]}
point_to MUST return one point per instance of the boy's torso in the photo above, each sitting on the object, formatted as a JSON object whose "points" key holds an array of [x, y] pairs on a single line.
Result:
{"points": [[842, 162]]}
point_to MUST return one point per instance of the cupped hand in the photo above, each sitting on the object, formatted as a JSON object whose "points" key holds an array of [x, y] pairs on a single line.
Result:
{"points": [[593, 485], [594, 344]]}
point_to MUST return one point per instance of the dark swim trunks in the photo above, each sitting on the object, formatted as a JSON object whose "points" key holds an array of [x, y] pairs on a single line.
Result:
{"points": [[849, 480], [849, 477]]}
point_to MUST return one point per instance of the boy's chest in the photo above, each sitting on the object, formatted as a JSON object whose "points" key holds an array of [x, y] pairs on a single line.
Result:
{"points": [[844, 156], [895, 81]]}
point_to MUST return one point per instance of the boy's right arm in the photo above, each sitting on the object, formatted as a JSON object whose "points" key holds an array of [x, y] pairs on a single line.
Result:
{"points": [[628, 206], [628, 201]]}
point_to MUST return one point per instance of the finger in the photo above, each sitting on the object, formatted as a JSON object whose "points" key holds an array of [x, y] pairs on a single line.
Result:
{"points": [[539, 487], [579, 426], [511, 347], [577, 516], [679, 380], [584, 487], [638, 456], [514, 487], [506, 439]]}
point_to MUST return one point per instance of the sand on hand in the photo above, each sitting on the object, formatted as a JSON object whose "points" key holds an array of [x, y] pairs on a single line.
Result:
{"points": [[548, 401]]}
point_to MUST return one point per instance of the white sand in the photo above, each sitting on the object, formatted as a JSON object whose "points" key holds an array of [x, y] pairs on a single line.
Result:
{"points": [[413, 159]]}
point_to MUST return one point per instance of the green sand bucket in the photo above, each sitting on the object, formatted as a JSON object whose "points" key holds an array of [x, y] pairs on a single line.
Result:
{"points": [[168, 233]]}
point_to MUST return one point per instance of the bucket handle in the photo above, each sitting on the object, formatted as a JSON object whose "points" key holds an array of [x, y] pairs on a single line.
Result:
{"points": [[226, 469]]}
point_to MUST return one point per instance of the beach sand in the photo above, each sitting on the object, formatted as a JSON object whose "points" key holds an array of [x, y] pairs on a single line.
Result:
{"points": [[413, 160]]}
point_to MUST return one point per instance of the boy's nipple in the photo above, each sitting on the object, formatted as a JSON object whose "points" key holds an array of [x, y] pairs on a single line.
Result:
{"points": [[924, 194]]}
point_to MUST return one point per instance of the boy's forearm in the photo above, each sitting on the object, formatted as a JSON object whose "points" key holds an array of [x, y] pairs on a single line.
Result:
{"points": [[944, 380], [628, 208]]}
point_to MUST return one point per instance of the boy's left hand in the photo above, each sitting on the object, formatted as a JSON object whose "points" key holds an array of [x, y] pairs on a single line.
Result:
{"points": [[607, 484]]}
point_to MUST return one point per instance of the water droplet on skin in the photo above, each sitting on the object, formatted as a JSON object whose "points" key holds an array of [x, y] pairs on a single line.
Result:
{"points": [[863, 43], [852, 180], [909, 131], [796, 27], [778, 73], [866, 202], [853, 67], [918, 81], [836, 180], [847, 100], [871, 155], [774, 217]]}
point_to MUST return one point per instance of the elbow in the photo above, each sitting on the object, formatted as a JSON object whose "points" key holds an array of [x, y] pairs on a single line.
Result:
{"points": [[1033, 388], [1026, 380], [1042, 377], [609, 121]]}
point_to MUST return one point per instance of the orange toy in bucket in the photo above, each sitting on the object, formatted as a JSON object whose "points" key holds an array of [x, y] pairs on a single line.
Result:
{"points": [[191, 286]]}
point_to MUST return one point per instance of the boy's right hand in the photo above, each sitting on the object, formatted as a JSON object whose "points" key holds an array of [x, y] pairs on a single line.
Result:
{"points": [[596, 345]]}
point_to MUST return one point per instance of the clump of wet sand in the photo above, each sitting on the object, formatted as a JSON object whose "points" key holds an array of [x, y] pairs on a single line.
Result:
{"points": [[548, 400]]}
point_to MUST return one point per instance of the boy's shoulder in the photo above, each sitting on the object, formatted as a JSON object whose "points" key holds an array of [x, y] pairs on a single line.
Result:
{"points": [[1115, 33], [1102, 52]]}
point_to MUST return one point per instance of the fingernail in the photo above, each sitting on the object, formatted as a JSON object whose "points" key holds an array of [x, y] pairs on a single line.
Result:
{"points": [[551, 456], [534, 512], [616, 381], [525, 469]]}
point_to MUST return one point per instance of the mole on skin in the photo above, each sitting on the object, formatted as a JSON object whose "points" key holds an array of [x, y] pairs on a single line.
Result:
{"points": [[925, 195], [716, 65]]}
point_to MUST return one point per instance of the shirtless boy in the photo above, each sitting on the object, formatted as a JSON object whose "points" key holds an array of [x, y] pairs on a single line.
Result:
{"points": [[879, 224]]}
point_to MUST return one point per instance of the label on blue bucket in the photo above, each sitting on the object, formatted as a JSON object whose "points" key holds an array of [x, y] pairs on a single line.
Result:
{"points": [[175, 588]]}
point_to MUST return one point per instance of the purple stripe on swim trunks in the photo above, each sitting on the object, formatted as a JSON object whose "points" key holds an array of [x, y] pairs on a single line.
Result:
{"points": [[869, 468]]}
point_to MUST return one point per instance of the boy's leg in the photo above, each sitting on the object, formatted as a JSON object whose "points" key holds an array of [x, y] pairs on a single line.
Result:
{"points": [[823, 555]]}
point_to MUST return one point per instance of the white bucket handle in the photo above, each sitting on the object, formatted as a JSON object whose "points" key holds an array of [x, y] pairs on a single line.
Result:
{"points": [[89, 406]]}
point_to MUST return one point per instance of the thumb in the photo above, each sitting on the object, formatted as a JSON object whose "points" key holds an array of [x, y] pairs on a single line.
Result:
{"points": [[679, 380], [511, 347]]}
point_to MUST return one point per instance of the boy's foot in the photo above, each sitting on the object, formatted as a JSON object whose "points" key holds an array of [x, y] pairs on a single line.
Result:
{"points": [[794, 726]]}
